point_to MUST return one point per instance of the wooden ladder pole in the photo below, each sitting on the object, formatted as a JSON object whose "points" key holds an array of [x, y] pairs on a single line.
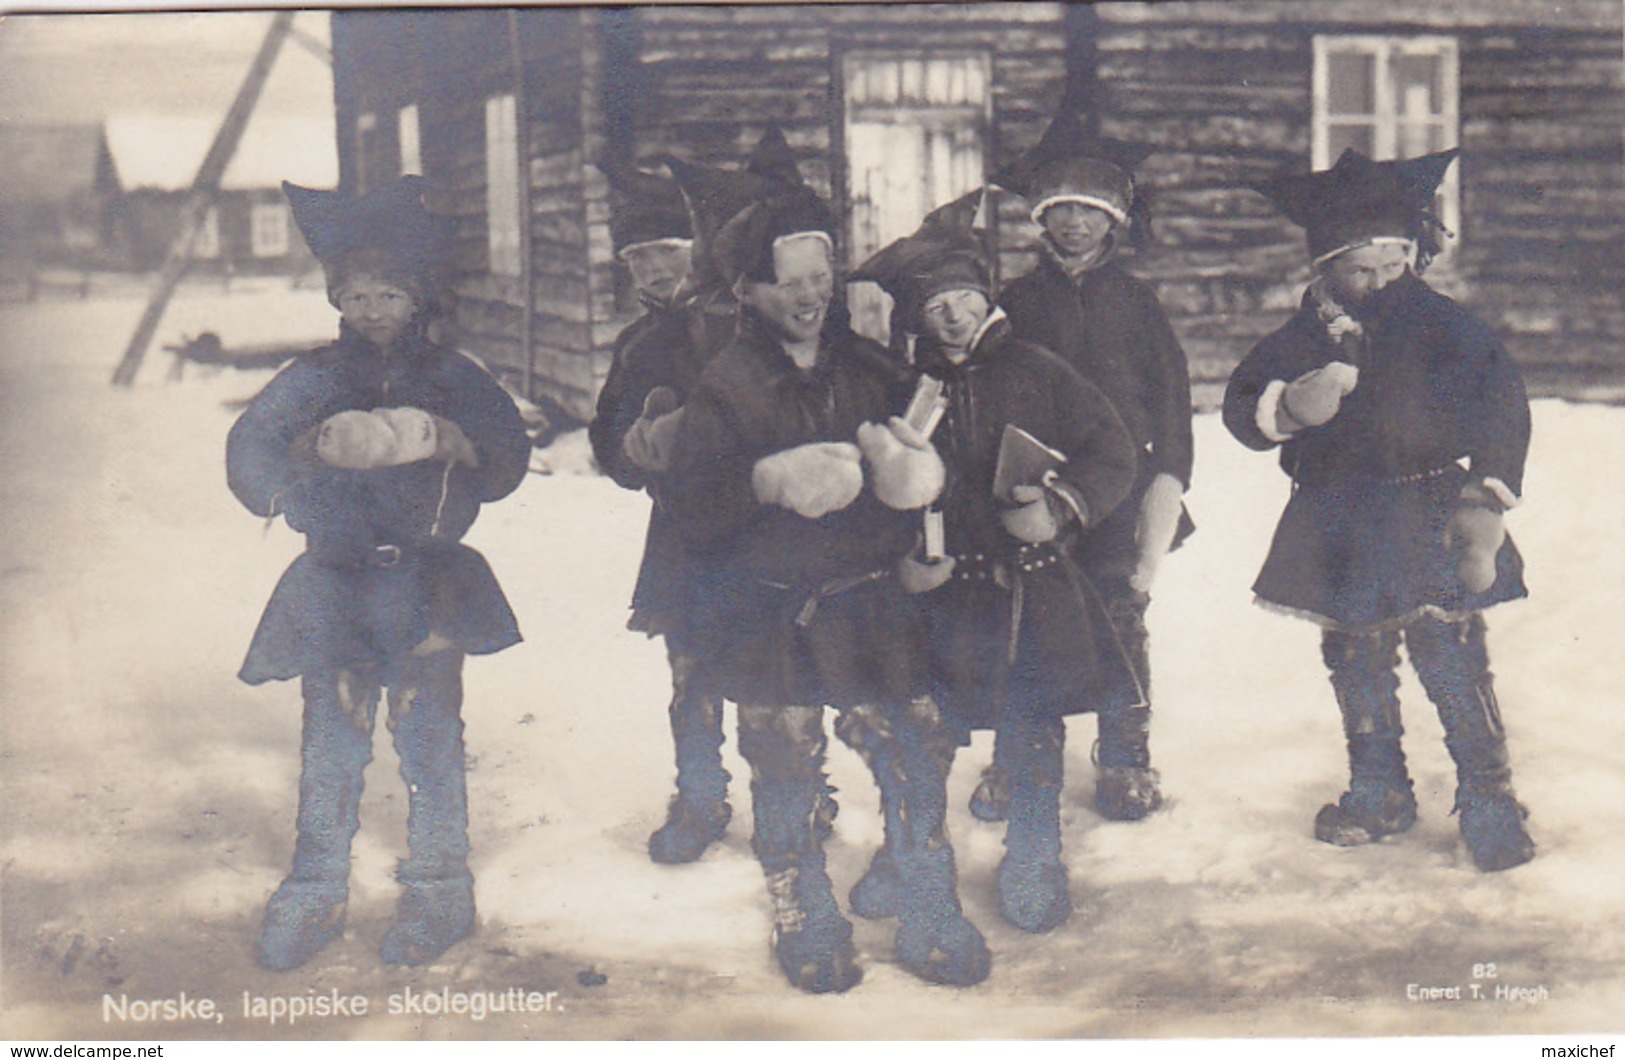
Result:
{"points": [[205, 187]]}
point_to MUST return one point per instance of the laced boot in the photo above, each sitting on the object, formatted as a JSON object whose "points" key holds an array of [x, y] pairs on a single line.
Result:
{"points": [[699, 813], [1453, 662], [1032, 881], [1380, 799], [307, 911], [1126, 787]]}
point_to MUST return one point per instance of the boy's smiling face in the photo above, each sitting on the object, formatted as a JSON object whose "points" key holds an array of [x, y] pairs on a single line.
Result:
{"points": [[375, 308]]}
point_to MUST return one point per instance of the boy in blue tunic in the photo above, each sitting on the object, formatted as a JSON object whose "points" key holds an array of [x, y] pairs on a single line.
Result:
{"points": [[380, 449], [1404, 426]]}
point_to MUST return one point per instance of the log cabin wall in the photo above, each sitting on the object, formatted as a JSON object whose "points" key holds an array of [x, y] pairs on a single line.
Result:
{"points": [[1224, 90]]}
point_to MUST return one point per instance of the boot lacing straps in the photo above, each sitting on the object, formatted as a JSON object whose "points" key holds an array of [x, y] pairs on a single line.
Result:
{"points": [[788, 915]]}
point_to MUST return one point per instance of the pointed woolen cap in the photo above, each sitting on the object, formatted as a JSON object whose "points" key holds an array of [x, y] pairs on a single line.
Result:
{"points": [[773, 158], [743, 248], [1071, 164], [391, 220], [946, 253], [644, 208], [1358, 201]]}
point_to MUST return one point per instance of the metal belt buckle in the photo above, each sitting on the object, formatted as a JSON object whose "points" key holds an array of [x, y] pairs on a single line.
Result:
{"points": [[386, 556]]}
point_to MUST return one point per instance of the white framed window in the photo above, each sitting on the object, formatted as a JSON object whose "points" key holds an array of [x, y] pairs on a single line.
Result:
{"points": [[502, 198], [916, 130], [411, 146], [206, 241], [1389, 97], [268, 230]]}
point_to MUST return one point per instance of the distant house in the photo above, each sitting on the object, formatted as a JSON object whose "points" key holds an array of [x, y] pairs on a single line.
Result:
{"points": [[248, 231], [895, 108], [61, 202]]}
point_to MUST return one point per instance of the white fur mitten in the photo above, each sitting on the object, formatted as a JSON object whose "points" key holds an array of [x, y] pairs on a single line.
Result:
{"points": [[908, 473], [1154, 531], [1474, 536], [1033, 520], [811, 480], [356, 440], [651, 441], [1315, 396], [416, 436]]}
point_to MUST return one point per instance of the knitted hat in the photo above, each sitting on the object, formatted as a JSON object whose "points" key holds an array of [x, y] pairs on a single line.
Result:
{"points": [[744, 246], [644, 208], [1072, 164], [389, 229], [1359, 202]]}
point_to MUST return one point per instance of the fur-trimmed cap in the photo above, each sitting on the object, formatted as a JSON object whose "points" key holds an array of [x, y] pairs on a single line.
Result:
{"points": [[716, 196], [391, 223], [1359, 201], [644, 208], [946, 253], [1071, 164]]}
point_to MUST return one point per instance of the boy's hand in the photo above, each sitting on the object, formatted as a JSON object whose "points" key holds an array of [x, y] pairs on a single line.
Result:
{"points": [[451, 444], [1155, 529], [653, 438], [1474, 536], [908, 473], [355, 440], [811, 480], [923, 575], [1315, 396], [1034, 519]]}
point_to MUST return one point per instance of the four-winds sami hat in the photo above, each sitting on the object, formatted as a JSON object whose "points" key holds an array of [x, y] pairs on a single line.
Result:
{"points": [[715, 197], [1359, 202], [391, 221], [946, 253], [644, 208], [1072, 164]]}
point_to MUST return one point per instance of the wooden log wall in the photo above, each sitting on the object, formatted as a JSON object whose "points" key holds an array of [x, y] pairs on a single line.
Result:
{"points": [[1224, 89], [712, 77]]}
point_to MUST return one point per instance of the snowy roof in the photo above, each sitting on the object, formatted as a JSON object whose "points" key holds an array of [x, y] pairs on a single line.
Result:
{"points": [[165, 150]]}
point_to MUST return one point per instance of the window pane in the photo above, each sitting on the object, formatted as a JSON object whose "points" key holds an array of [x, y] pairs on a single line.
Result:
{"points": [[268, 230], [1416, 84], [411, 151], [1360, 137], [502, 185], [1351, 83]]}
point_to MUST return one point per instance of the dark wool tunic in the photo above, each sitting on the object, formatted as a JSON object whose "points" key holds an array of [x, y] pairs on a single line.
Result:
{"points": [[1110, 328], [1066, 658], [669, 347], [382, 565], [789, 610], [1360, 544]]}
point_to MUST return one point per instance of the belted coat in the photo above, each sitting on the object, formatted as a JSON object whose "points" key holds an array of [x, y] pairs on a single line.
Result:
{"points": [[383, 564]]}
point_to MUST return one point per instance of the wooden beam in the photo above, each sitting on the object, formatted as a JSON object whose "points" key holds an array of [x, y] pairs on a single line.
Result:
{"points": [[205, 187]]}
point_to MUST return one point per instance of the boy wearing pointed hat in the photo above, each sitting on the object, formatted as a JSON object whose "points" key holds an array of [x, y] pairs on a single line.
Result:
{"points": [[379, 449], [689, 314], [657, 359], [1018, 640], [1081, 303], [1404, 426], [795, 603]]}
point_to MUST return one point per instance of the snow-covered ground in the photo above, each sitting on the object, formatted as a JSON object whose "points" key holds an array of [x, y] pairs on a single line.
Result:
{"points": [[148, 796]]}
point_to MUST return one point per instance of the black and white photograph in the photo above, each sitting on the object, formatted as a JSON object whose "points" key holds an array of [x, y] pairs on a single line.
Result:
{"points": [[778, 521]]}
